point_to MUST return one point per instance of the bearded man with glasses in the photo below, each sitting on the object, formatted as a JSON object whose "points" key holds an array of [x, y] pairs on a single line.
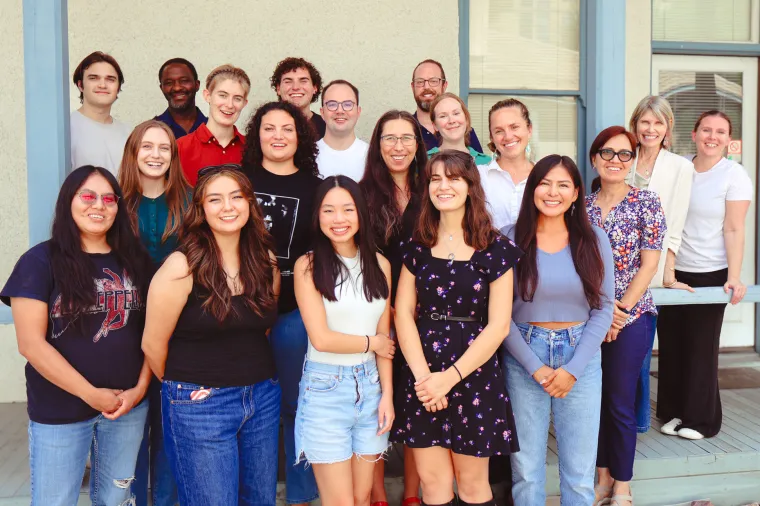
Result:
{"points": [[340, 151]]}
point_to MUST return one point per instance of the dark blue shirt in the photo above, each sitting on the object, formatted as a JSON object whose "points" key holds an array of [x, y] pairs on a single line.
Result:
{"points": [[431, 141], [167, 118]]}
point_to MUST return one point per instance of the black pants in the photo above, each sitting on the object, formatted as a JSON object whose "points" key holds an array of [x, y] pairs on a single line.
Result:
{"points": [[689, 337]]}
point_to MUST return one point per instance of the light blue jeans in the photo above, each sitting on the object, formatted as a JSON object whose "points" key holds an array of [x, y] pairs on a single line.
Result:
{"points": [[337, 413], [58, 454], [576, 420]]}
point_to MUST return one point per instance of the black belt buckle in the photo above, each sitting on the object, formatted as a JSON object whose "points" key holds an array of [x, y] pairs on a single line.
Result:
{"points": [[437, 316]]}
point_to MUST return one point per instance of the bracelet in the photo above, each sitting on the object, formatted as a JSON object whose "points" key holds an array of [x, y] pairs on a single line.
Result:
{"points": [[671, 284], [457, 370], [366, 350]]}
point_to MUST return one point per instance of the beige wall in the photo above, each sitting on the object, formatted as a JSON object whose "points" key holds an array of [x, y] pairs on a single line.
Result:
{"points": [[13, 201], [374, 44], [638, 53]]}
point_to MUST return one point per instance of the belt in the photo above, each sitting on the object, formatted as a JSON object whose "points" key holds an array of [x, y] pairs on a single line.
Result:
{"points": [[445, 317]]}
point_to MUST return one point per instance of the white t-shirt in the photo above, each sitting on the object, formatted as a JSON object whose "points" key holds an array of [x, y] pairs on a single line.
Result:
{"points": [[349, 162], [503, 196], [703, 248], [95, 143]]}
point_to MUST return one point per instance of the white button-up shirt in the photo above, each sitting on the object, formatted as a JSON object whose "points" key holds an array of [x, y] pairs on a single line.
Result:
{"points": [[503, 196]]}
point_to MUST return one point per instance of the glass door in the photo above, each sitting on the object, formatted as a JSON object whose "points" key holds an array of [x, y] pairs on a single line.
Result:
{"points": [[692, 85]]}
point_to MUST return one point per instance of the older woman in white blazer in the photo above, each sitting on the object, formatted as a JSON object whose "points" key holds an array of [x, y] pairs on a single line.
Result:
{"points": [[670, 176]]}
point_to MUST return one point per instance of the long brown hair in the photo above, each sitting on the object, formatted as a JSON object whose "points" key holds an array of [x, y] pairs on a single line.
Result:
{"points": [[177, 187], [198, 244], [477, 225]]}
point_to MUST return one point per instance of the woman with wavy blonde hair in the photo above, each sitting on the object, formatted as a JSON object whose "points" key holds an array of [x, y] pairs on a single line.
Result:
{"points": [[210, 307]]}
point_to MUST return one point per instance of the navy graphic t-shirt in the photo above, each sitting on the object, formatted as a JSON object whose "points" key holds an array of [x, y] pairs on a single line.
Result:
{"points": [[103, 344], [287, 204]]}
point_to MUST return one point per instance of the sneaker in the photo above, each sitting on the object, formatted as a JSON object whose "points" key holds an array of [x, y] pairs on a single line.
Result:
{"points": [[670, 427], [690, 434]]}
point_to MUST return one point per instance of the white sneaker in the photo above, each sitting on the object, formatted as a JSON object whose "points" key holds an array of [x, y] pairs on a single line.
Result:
{"points": [[690, 434], [670, 427]]}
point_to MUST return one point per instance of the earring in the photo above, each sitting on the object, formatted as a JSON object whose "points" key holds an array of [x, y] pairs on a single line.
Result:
{"points": [[572, 209]]}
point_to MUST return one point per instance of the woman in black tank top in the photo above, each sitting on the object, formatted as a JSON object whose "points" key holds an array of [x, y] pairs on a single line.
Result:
{"points": [[209, 310]]}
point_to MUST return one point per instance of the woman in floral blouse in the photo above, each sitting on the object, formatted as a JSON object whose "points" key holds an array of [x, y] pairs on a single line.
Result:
{"points": [[635, 224]]}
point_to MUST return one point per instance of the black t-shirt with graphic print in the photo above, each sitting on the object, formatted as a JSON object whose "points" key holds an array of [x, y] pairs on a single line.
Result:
{"points": [[287, 204], [103, 344]]}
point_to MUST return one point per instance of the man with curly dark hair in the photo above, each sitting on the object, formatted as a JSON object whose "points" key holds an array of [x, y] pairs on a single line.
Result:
{"points": [[298, 81]]}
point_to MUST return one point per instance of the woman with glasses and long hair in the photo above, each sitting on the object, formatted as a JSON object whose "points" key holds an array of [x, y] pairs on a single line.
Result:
{"points": [[345, 403], [453, 127], [562, 310], [391, 185], [635, 225], [156, 194], [78, 308], [280, 161], [210, 307], [453, 310], [711, 254]]}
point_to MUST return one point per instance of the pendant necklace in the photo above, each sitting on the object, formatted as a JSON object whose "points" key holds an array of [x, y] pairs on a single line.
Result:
{"points": [[451, 255]]}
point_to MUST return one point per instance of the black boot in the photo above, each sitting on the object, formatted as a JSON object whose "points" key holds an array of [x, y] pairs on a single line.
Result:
{"points": [[492, 502], [452, 502]]}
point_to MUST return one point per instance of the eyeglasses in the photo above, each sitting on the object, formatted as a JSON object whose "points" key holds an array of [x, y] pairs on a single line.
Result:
{"points": [[624, 155], [89, 197], [391, 140], [347, 105], [433, 81], [213, 169]]}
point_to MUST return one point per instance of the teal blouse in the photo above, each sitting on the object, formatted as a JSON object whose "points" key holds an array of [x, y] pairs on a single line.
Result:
{"points": [[480, 158], [152, 215]]}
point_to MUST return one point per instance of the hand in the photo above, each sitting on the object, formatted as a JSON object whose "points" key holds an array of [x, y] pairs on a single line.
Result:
{"points": [[677, 285], [432, 388], [559, 383], [611, 335], [739, 290], [105, 400], [385, 414], [543, 372], [382, 345], [130, 398], [619, 317], [438, 406]]}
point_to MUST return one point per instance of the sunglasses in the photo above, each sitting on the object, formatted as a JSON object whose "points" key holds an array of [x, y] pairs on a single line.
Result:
{"points": [[213, 169], [624, 155], [89, 197]]}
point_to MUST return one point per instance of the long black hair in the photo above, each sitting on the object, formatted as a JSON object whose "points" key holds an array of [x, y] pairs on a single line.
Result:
{"points": [[306, 152], [73, 269], [584, 244], [328, 271]]}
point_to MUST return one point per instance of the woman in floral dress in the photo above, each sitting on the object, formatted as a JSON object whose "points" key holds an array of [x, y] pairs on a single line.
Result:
{"points": [[453, 310]]}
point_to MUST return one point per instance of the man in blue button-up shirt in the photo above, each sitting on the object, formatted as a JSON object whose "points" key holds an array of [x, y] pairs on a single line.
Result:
{"points": [[179, 83]]}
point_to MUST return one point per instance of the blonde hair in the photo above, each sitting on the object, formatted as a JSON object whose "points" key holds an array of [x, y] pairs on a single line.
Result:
{"points": [[661, 109], [227, 71], [443, 97]]}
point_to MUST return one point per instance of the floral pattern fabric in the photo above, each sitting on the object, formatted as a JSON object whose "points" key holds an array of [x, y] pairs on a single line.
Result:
{"points": [[636, 223], [479, 419]]}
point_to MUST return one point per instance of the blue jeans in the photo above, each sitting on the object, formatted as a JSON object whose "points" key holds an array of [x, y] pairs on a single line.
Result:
{"points": [[576, 420], [289, 343], [152, 463], [337, 413], [58, 455], [222, 447], [643, 408]]}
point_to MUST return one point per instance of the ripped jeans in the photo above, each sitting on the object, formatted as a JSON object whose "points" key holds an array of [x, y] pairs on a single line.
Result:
{"points": [[58, 454]]}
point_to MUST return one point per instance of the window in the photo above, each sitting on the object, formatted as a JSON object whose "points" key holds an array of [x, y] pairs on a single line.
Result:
{"points": [[702, 21]]}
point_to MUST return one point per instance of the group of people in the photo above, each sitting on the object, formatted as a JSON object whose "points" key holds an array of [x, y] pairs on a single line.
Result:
{"points": [[202, 287]]}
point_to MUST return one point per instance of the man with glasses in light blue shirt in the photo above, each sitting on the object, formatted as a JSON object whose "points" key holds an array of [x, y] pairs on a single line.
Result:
{"points": [[340, 151]]}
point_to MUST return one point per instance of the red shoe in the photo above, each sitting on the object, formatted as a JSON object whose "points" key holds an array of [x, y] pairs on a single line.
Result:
{"points": [[411, 500], [379, 503]]}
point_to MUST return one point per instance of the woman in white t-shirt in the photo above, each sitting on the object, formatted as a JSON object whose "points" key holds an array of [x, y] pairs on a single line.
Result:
{"points": [[711, 251]]}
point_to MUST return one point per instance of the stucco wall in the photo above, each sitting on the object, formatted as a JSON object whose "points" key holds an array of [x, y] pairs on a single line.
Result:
{"points": [[638, 53], [374, 44]]}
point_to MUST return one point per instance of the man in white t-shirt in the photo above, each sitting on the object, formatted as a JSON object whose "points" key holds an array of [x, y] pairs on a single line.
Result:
{"points": [[340, 151], [96, 137]]}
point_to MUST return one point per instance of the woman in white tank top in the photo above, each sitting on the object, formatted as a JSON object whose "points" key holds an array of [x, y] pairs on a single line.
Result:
{"points": [[345, 401]]}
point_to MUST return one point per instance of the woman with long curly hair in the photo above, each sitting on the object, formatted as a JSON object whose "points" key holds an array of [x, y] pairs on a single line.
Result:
{"points": [[391, 186], [281, 161], [210, 306], [78, 308], [156, 194]]}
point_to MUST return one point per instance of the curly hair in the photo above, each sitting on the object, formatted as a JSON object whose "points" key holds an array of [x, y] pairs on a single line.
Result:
{"points": [[289, 65], [204, 258], [306, 152]]}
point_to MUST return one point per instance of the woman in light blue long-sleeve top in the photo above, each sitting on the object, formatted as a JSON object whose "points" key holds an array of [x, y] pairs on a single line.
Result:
{"points": [[562, 310]]}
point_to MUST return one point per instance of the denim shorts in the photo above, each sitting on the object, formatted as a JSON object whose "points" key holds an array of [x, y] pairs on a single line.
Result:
{"points": [[337, 413]]}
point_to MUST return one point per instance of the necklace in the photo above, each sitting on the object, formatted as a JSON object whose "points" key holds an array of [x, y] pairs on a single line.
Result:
{"points": [[233, 278], [451, 255]]}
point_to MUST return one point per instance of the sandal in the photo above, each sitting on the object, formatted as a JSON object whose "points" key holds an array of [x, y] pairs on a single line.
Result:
{"points": [[410, 500], [615, 498], [379, 503], [605, 493]]}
